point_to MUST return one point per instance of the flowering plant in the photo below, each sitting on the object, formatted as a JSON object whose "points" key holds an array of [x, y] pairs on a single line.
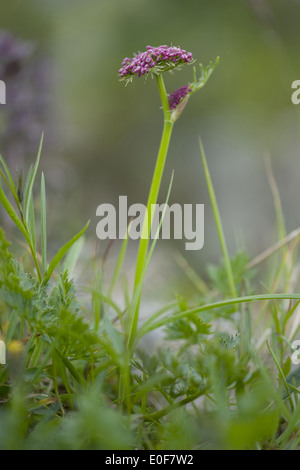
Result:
{"points": [[154, 62]]}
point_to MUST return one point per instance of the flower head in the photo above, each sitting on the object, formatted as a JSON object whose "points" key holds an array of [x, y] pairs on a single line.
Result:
{"points": [[177, 96], [154, 60]]}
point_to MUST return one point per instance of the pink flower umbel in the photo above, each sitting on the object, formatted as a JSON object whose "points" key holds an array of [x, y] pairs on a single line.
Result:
{"points": [[154, 60]]}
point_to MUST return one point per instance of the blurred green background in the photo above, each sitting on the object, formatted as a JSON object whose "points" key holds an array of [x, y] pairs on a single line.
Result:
{"points": [[101, 138]]}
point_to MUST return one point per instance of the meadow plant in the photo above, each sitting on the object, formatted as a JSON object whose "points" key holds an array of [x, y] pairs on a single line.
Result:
{"points": [[74, 376], [154, 62]]}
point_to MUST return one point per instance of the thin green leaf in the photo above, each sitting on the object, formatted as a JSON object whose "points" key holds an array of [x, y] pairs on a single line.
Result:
{"points": [[13, 215], [10, 183], [43, 225], [222, 303], [287, 386], [118, 266], [73, 371], [7, 173], [218, 221], [73, 255], [30, 182], [31, 221], [26, 186], [61, 253]]}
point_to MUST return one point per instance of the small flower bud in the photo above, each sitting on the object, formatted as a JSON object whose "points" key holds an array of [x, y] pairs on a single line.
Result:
{"points": [[177, 96]]}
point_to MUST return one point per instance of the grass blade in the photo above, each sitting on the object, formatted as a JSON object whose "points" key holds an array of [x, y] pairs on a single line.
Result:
{"points": [[7, 173], [222, 303], [10, 183], [73, 255], [31, 222], [61, 253], [218, 222], [118, 265], [13, 215], [30, 182], [73, 371], [43, 226]]}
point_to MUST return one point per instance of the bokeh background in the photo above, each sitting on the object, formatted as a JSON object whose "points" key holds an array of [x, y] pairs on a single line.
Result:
{"points": [[60, 61]]}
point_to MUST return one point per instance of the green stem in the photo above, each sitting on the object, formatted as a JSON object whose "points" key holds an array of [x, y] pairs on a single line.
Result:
{"points": [[152, 198], [163, 97]]}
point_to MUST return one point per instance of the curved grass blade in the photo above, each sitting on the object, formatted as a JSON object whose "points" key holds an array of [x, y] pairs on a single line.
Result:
{"points": [[118, 265], [222, 303], [73, 255], [218, 221], [10, 183], [23, 229], [43, 225], [13, 215], [30, 182], [7, 173], [73, 371], [31, 221], [61, 253]]}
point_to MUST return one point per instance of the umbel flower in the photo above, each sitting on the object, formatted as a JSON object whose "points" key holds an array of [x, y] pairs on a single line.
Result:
{"points": [[155, 61]]}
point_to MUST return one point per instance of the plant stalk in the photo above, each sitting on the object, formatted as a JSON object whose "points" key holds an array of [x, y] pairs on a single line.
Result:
{"points": [[152, 199]]}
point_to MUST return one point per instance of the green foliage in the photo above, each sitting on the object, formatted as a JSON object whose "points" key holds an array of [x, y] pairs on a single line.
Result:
{"points": [[75, 379], [192, 329], [205, 73], [218, 275]]}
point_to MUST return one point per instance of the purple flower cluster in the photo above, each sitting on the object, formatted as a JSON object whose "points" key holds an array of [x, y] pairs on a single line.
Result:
{"points": [[28, 85], [177, 95], [13, 54], [161, 57]]}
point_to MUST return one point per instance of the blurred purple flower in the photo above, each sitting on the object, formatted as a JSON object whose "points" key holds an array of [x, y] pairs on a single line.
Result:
{"points": [[26, 113], [12, 55], [177, 96], [156, 60]]}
